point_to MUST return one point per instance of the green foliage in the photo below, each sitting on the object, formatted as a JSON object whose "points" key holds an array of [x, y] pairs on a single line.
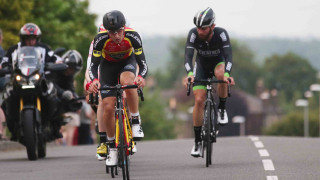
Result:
{"points": [[63, 24], [174, 68], [154, 121], [264, 47], [13, 14], [66, 24], [292, 125], [245, 71], [289, 73]]}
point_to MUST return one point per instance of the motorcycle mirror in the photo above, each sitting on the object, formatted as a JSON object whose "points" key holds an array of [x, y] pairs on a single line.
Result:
{"points": [[59, 51], [56, 67]]}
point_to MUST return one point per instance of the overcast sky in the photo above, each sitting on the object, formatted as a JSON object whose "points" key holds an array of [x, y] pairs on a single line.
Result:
{"points": [[249, 18]]}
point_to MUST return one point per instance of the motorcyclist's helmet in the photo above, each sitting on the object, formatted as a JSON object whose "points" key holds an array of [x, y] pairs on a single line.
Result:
{"points": [[74, 60], [204, 18], [114, 20], [30, 30]]}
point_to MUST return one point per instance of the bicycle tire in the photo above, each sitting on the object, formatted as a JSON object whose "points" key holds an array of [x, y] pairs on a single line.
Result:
{"points": [[208, 131], [122, 149]]}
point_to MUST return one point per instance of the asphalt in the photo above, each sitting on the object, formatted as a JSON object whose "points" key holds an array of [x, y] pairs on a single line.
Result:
{"points": [[6, 145]]}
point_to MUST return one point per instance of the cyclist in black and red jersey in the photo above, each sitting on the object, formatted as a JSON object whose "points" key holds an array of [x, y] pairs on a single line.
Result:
{"points": [[213, 58], [117, 51]]}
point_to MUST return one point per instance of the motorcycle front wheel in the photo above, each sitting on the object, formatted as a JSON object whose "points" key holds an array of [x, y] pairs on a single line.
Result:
{"points": [[30, 135]]}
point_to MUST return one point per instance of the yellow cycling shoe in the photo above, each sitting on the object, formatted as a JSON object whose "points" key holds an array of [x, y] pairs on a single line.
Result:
{"points": [[102, 151]]}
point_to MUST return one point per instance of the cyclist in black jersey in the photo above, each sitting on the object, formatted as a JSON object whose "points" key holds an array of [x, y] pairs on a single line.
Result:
{"points": [[116, 52], [210, 45]]}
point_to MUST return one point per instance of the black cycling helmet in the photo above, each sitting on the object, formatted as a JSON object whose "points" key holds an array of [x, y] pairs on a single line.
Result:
{"points": [[73, 59], [114, 20], [30, 29], [204, 18]]}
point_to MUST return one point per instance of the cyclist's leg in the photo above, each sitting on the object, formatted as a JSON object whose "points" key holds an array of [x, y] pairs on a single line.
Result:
{"points": [[101, 122], [223, 93], [199, 91], [102, 147], [127, 78], [128, 74], [108, 116], [108, 77]]}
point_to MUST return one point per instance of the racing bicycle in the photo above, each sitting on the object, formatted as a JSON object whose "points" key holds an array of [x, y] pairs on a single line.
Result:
{"points": [[210, 127]]}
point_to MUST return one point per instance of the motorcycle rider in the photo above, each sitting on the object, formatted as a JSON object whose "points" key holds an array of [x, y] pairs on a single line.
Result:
{"points": [[30, 35], [65, 83]]}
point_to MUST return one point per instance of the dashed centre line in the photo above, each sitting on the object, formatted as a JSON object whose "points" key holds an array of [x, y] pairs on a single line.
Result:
{"points": [[258, 144], [263, 153], [272, 177], [267, 163]]}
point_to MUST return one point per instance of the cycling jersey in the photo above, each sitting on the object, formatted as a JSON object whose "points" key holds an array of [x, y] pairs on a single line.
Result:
{"points": [[104, 49], [209, 53]]}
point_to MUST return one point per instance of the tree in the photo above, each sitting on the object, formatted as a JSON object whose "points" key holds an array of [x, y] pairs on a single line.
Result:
{"points": [[154, 121], [66, 24], [289, 73], [245, 70], [63, 24], [174, 70], [13, 14], [293, 125]]}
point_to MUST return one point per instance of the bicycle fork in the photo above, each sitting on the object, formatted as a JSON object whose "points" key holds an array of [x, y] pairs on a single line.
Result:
{"points": [[125, 123]]}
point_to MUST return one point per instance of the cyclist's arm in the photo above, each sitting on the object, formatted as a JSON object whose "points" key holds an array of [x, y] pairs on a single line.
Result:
{"points": [[87, 77], [189, 52], [139, 54], [227, 52], [96, 55]]}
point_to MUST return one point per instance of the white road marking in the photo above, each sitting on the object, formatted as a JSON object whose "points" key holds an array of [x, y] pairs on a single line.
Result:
{"points": [[268, 165], [263, 152], [254, 138], [272, 177], [258, 144]]}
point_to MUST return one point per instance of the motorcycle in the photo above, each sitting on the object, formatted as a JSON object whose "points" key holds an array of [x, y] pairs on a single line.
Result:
{"points": [[28, 90]]}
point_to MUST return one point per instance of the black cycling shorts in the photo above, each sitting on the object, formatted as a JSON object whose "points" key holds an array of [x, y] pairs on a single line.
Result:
{"points": [[204, 69], [110, 73]]}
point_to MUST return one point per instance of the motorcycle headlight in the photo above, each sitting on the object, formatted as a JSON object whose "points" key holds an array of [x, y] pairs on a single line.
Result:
{"points": [[35, 78], [21, 80]]}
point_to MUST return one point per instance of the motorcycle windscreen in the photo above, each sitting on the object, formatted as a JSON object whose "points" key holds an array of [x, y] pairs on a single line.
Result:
{"points": [[29, 59]]}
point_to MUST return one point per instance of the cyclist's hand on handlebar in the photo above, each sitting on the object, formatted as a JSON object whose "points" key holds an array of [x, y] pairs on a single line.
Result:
{"points": [[140, 81], [95, 86], [226, 79], [185, 81]]}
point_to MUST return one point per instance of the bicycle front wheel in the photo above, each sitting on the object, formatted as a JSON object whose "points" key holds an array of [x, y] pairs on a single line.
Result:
{"points": [[208, 131], [122, 149]]}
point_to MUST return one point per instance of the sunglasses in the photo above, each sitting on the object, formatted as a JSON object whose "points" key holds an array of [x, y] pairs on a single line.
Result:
{"points": [[118, 31]]}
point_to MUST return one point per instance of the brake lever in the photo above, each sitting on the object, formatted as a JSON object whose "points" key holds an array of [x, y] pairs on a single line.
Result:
{"points": [[140, 93]]}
